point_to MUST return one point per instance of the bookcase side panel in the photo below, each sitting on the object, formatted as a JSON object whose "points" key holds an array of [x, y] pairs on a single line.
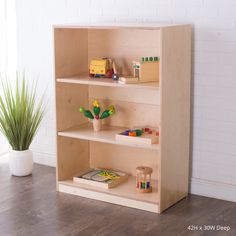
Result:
{"points": [[69, 98], [175, 114], [71, 51], [73, 157]]}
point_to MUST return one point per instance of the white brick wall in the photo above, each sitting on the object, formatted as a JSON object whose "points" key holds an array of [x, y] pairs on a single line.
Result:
{"points": [[214, 72]]}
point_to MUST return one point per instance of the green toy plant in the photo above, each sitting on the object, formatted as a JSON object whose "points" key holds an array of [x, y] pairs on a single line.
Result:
{"points": [[20, 115], [97, 110]]}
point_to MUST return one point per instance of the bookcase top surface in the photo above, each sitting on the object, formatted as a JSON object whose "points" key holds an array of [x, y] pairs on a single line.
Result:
{"points": [[152, 26]]}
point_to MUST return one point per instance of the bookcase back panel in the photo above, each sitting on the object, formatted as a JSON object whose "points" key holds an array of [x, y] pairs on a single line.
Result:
{"points": [[130, 114], [73, 157], [123, 45], [123, 158], [136, 95], [69, 98]]}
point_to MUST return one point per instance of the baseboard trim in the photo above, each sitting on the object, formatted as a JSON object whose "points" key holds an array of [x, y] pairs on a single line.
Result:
{"points": [[213, 189], [4, 153], [39, 157], [44, 158]]}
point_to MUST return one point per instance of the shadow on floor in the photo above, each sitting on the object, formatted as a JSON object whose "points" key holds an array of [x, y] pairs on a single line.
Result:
{"points": [[31, 206]]}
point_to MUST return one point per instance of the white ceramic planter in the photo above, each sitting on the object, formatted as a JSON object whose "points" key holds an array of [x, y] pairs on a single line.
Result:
{"points": [[21, 162], [97, 124]]}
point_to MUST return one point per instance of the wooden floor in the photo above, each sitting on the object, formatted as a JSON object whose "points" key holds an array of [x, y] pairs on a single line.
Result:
{"points": [[31, 206]]}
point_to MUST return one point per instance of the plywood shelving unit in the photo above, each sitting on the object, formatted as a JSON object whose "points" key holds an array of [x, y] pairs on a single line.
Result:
{"points": [[165, 104]]}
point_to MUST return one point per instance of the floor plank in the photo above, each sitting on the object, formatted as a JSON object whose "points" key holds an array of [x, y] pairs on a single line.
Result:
{"points": [[31, 206]]}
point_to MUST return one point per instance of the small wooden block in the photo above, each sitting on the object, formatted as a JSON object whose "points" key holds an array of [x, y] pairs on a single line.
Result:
{"points": [[149, 71]]}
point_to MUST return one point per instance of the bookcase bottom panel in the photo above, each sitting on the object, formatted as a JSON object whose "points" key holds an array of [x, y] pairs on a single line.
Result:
{"points": [[124, 194]]}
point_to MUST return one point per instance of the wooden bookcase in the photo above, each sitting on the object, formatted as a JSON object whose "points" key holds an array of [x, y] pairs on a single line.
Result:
{"points": [[165, 104]]}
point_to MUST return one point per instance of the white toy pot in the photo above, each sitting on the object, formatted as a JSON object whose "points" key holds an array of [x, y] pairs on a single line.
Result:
{"points": [[97, 125], [21, 162]]}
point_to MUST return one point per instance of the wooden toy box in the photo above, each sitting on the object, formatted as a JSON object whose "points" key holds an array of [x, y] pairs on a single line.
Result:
{"points": [[144, 139], [149, 71]]}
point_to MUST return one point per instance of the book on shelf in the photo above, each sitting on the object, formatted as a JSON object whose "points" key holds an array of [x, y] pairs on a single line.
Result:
{"points": [[103, 178]]}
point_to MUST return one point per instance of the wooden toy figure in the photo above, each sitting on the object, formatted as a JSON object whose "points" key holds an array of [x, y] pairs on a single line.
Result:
{"points": [[136, 68], [96, 118], [143, 179]]}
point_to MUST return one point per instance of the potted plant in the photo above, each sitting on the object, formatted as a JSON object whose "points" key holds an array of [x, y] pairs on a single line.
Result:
{"points": [[20, 117]]}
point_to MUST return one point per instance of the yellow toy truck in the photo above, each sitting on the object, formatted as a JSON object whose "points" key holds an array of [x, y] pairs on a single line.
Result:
{"points": [[101, 68]]}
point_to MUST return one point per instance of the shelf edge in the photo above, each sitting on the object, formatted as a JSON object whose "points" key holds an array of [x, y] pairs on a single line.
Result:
{"points": [[65, 134], [105, 84]]}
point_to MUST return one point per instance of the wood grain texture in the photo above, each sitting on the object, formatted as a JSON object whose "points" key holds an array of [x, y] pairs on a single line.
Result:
{"points": [[73, 157], [71, 51], [149, 71], [124, 194], [107, 135], [128, 26], [130, 114], [123, 158], [69, 98], [175, 114], [137, 95], [106, 82], [31, 206], [123, 45]]}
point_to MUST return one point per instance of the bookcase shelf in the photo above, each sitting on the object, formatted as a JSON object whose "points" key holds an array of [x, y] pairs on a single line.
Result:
{"points": [[84, 79], [164, 104], [124, 194], [106, 135]]}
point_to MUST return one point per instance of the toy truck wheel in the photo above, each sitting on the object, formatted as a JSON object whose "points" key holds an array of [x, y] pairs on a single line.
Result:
{"points": [[109, 73]]}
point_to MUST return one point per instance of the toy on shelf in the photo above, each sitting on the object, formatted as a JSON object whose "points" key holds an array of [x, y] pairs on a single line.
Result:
{"points": [[103, 178], [96, 118], [104, 68], [143, 179], [100, 68], [115, 76], [146, 70], [139, 135]]}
